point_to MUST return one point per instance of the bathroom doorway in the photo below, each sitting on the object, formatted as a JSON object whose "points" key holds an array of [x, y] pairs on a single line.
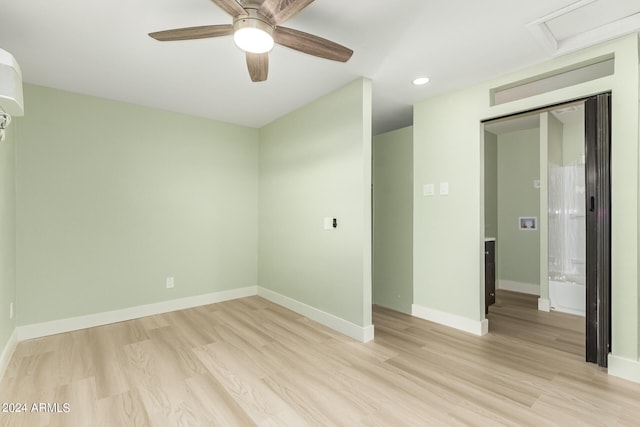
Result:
{"points": [[548, 206]]}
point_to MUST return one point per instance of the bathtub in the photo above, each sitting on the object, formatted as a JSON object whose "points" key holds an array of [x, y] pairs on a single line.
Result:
{"points": [[568, 294]]}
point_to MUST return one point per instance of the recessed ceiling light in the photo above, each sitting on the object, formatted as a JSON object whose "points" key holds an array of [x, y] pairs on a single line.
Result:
{"points": [[421, 81]]}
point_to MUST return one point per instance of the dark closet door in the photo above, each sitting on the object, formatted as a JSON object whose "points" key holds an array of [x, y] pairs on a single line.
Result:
{"points": [[598, 198], [489, 274]]}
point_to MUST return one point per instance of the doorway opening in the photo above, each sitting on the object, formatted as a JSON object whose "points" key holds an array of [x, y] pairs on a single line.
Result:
{"points": [[547, 213]]}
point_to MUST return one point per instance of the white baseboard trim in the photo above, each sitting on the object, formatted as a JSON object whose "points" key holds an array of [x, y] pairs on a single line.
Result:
{"points": [[7, 352], [358, 333], [544, 304], [475, 327], [82, 322], [624, 368], [523, 288]]}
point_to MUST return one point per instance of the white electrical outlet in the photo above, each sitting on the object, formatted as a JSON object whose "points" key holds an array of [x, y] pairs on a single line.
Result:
{"points": [[11, 311], [170, 282]]}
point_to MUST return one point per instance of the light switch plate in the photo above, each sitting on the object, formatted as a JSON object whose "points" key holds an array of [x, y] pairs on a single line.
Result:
{"points": [[428, 189], [444, 188], [328, 223], [536, 183]]}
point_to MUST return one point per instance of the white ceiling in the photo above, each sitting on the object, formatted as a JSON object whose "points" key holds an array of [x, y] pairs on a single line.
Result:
{"points": [[101, 48]]}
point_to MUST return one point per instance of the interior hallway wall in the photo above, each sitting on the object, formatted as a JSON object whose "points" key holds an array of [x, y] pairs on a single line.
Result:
{"points": [[393, 219], [315, 163]]}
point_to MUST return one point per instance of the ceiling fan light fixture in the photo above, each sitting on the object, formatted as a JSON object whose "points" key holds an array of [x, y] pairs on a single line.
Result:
{"points": [[253, 40], [252, 34]]}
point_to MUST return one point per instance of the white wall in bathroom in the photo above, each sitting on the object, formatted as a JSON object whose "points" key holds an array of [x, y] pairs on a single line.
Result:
{"points": [[572, 142]]}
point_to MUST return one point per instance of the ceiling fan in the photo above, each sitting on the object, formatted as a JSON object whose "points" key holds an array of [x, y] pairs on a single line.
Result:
{"points": [[255, 29]]}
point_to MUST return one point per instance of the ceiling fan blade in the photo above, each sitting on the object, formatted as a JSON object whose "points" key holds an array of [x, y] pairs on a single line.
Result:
{"points": [[232, 7], [258, 65], [312, 45], [191, 33], [278, 11]]}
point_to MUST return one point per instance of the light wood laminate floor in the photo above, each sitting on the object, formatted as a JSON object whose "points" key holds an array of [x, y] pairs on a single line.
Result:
{"points": [[250, 362]]}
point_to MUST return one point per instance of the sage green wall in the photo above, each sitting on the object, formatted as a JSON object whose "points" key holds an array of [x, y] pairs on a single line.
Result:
{"points": [[316, 163], [518, 167], [448, 231], [490, 185], [7, 234], [393, 219], [113, 198]]}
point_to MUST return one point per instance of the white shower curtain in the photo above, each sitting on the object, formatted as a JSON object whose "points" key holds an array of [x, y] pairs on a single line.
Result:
{"points": [[567, 227]]}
